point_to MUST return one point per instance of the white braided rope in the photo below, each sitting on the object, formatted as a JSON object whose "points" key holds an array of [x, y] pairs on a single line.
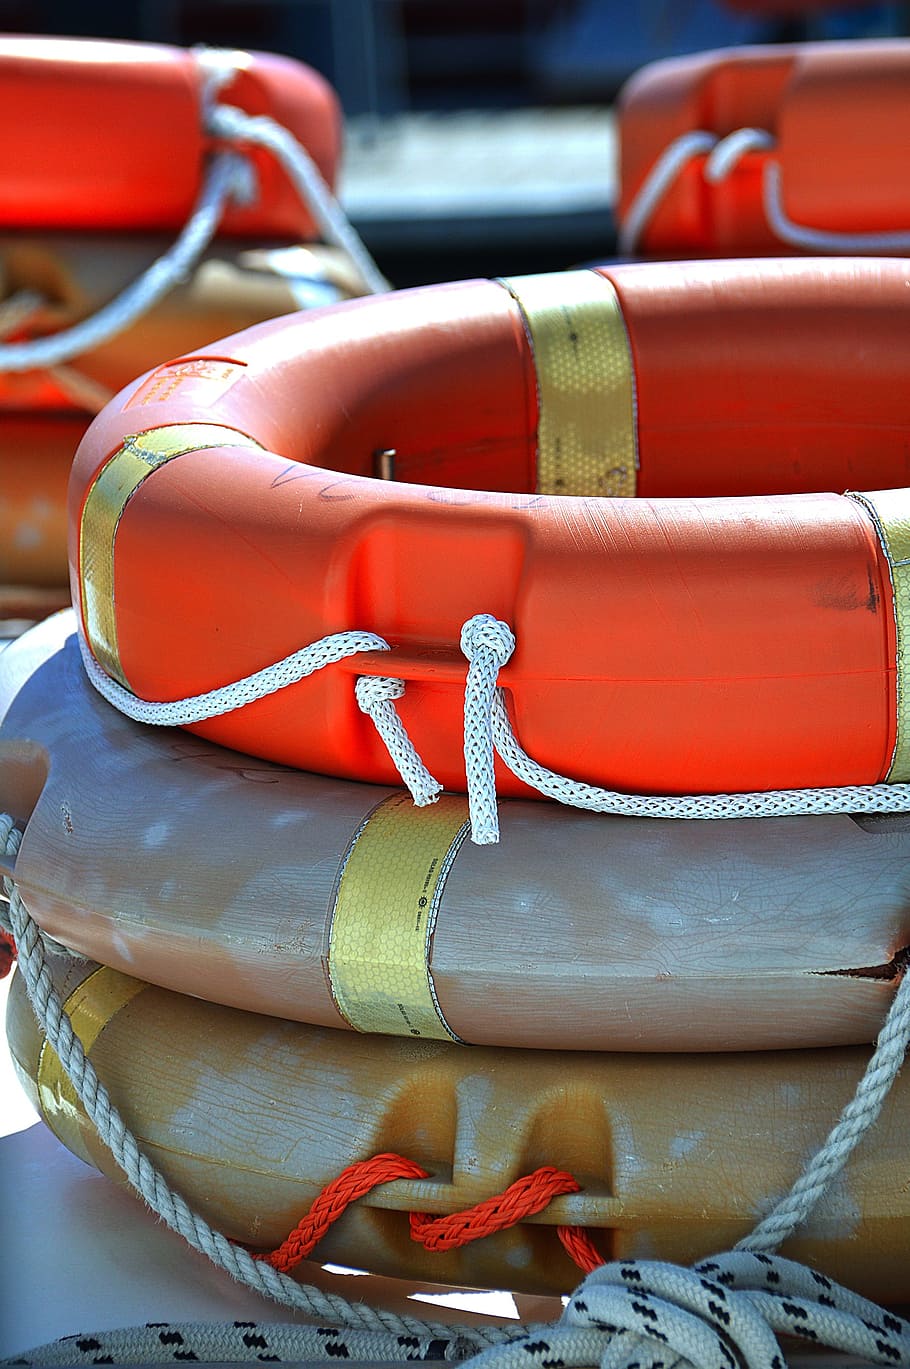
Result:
{"points": [[227, 179], [196, 708], [668, 167], [486, 707], [226, 121], [723, 154], [231, 1343], [624, 1316], [375, 695], [487, 643]]}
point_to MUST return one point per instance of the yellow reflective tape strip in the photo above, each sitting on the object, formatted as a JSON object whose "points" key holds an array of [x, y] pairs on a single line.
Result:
{"points": [[113, 486], [586, 435], [890, 512], [90, 1007], [385, 911]]}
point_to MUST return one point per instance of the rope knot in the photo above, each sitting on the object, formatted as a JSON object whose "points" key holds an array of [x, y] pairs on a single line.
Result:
{"points": [[376, 695], [485, 631], [372, 690], [488, 644]]}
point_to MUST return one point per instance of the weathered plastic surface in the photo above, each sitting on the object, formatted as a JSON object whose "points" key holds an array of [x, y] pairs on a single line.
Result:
{"points": [[211, 873], [677, 1156]]}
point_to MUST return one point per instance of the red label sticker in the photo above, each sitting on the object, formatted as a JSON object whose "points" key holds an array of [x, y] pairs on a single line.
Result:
{"points": [[211, 376]]}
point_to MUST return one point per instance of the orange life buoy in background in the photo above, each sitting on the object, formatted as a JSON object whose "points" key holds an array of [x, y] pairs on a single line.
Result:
{"points": [[768, 149], [223, 515], [110, 155], [61, 279], [109, 135]]}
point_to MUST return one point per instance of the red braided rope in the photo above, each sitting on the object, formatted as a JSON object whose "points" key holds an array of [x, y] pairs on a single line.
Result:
{"points": [[524, 1198], [7, 953], [327, 1207]]}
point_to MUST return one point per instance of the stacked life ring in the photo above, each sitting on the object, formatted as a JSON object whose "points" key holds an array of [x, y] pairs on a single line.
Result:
{"points": [[648, 973], [612, 489], [767, 150], [141, 218]]}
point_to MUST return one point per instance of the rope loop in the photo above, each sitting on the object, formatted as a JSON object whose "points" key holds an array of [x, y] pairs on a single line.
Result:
{"points": [[483, 632], [722, 154], [376, 695], [236, 126], [488, 645], [230, 178], [371, 691], [727, 1311]]}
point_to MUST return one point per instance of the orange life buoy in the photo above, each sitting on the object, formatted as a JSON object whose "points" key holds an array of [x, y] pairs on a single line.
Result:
{"points": [[109, 135], [116, 150], [765, 149], [224, 514]]}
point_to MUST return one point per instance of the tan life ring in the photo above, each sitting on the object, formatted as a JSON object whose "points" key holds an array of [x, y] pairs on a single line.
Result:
{"points": [[248, 1117], [343, 905]]}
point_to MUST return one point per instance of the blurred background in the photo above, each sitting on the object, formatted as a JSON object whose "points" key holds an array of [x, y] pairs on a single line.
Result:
{"points": [[479, 133]]}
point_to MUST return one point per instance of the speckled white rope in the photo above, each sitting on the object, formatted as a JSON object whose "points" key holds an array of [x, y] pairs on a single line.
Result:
{"points": [[623, 1316], [487, 643], [724, 1313], [722, 156], [374, 695], [212, 704], [228, 179], [226, 121], [235, 1342], [484, 645]]}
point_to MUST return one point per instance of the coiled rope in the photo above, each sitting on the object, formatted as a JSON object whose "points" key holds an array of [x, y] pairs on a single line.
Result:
{"points": [[488, 645], [722, 155], [228, 179], [721, 1314]]}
